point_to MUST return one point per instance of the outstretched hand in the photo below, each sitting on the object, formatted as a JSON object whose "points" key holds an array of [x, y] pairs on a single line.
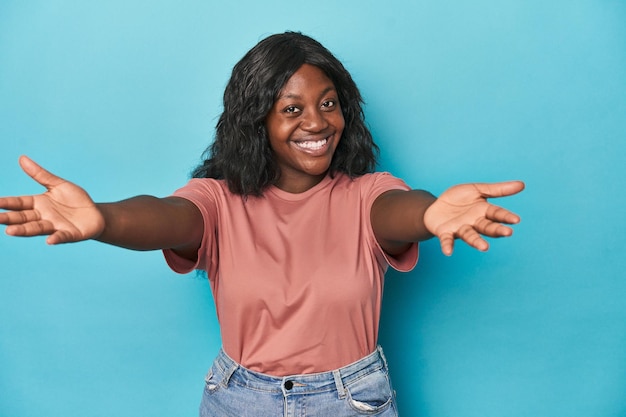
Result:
{"points": [[65, 211], [463, 212]]}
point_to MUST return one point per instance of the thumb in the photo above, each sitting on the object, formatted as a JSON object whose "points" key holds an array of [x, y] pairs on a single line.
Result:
{"points": [[39, 174], [499, 189]]}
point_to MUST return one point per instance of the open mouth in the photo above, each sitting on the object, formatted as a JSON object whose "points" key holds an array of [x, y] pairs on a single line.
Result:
{"points": [[312, 145]]}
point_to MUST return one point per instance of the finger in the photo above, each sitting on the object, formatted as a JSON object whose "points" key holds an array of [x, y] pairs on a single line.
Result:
{"points": [[36, 228], [60, 236], [501, 215], [470, 236], [499, 189], [447, 243], [492, 229], [19, 217], [16, 203], [38, 173]]}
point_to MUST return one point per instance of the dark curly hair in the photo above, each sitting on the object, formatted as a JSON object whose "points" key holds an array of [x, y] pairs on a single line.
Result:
{"points": [[241, 153]]}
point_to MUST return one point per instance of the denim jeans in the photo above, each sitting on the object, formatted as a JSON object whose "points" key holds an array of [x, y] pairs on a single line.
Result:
{"points": [[359, 389]]}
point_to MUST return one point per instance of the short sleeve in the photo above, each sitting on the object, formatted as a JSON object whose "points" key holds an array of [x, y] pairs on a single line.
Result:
{"points": [[204, 194], [377, 184]]}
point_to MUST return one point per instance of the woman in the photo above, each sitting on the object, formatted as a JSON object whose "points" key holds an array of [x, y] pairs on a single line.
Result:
{"points": [[294, 230]]}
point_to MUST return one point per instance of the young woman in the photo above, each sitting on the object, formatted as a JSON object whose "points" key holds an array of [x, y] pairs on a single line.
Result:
{"points": [[294, 230]]}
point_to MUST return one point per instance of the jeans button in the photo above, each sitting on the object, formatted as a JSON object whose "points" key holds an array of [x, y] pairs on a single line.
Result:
{"points": [[288, 385]]}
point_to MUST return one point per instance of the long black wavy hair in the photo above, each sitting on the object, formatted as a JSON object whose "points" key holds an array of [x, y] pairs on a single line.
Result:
{"points": [[241, 153]]}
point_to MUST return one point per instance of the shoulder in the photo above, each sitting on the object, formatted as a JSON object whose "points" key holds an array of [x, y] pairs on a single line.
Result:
{"points": [[375, 182], [207, 192], [209, 186]]}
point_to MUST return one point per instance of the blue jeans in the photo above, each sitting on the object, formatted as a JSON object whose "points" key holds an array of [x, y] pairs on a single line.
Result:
{"points": [[359, 389]]}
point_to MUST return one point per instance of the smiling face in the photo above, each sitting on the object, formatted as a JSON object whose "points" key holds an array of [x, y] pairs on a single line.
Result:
{"points": [[304, 127]]}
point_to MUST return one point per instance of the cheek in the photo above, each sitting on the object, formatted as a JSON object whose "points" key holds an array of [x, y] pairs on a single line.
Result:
{"points": [[340, 123], [279, 129], [340, 128], [275, 135]]}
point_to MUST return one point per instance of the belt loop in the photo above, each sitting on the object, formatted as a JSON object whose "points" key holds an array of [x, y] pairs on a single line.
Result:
{"points": [[339, 384], [228, 373], [382, 356]]}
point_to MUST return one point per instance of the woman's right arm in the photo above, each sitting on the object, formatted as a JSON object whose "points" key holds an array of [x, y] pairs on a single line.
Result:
{"points": [[66, 213], [146, 223]]}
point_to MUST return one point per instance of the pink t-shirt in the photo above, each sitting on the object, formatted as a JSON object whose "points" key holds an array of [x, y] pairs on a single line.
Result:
{"points": [[297, 278]]}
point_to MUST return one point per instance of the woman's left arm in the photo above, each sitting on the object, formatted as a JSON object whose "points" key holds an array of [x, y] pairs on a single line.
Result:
{"points": [[462, 211]]}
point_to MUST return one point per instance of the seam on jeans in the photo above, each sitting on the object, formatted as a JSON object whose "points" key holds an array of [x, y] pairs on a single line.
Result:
{"points": [[211, 386], [382, 356], [362, 374], [273, 390], [363, 408]]}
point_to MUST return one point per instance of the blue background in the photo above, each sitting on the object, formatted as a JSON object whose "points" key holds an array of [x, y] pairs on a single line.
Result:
{"points": [[122, 97]]}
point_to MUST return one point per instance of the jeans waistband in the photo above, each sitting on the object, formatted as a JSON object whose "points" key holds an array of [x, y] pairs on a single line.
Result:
{"points": [[233, 373]]}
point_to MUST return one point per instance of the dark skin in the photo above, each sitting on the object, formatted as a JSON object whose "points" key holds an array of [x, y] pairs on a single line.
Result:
{"points": [[66, 213], [304, 127], [461, 212]]}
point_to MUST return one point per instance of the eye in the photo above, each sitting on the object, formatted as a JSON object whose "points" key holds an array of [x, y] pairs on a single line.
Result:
{"points": [[291, 109], [329, 104]]}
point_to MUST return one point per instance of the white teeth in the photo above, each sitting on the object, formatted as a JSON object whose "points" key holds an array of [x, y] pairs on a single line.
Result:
{"points": [[314, 145]]}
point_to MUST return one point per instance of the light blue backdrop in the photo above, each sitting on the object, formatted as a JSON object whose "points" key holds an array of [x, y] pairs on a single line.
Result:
{"points": [[122, 97]]}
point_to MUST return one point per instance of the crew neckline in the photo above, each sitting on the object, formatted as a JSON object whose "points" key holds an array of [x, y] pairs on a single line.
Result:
{"points": [[285, 195]]}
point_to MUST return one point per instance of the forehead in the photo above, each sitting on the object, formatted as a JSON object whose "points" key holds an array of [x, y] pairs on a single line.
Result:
{"points": [[306, 79]]}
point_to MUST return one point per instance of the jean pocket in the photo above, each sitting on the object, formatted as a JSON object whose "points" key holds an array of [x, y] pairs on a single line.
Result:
{"points": [[211, 382], [371, 394]]}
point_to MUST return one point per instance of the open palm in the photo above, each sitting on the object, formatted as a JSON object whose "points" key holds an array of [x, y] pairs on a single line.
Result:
{"points": [[463, 212], [65, 211]]}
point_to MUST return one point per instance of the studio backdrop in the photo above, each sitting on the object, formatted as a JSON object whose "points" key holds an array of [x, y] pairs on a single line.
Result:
{"points": [[122, 97]]}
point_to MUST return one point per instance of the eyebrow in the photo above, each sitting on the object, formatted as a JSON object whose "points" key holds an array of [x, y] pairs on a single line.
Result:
{"points": [[297, 96]]}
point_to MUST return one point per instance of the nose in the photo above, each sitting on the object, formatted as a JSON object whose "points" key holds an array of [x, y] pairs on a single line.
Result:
{"points": [[314, 121]]}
